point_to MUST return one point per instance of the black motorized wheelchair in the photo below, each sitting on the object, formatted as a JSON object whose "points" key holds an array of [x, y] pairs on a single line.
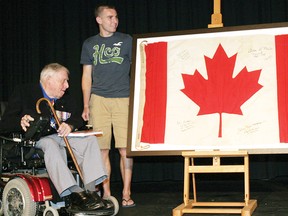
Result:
{"points": [[25, 187]]}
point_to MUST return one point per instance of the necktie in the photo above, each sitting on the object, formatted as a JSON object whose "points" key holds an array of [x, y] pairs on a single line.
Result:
{"points": [[52, 119]]}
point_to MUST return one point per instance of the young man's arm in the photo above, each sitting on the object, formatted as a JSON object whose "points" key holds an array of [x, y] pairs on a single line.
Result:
{"points": [[86, 90]]}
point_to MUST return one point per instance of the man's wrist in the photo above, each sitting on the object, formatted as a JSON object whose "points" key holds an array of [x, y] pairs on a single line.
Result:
{"points": [[71, 126]]}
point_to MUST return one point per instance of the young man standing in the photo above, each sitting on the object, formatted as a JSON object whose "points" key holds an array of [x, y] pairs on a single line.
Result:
{"points": [[106, 59]]}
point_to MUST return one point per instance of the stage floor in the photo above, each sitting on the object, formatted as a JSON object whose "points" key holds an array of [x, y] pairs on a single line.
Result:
{"points": [[160, 198]]}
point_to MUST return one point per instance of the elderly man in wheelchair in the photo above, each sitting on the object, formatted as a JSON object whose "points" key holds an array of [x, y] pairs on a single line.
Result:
{"points": [[42, 117]]}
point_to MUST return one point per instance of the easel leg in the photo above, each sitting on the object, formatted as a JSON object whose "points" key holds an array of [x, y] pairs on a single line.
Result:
{"points": [[186, 181], [194, 182], [246, 180]]}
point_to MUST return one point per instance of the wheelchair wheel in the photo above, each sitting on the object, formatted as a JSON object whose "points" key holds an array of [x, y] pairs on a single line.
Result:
{"points": [[1, 203], [1, 208], [17, 199], [49, 211], [115, 203]]}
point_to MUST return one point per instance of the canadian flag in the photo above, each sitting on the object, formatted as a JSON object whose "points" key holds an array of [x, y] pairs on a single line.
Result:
{"points": [[220, 90]]}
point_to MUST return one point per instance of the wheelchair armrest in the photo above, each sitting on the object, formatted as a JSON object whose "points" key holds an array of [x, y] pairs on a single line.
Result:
{"points": [[13, 137], [35, 131]]}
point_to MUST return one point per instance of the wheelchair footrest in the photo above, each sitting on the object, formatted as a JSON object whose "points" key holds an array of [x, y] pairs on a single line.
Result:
{"points": [[99, 212]]}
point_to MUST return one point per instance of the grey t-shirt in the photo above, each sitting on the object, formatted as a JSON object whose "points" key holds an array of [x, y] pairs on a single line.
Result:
{"points": [[110, 58]]}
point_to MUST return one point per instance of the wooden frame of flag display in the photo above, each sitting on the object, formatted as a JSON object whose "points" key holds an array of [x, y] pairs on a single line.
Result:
{"points": [[210, 89]]}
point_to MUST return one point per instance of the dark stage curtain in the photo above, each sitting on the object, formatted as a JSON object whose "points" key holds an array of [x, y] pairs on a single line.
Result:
{"points": [[37, 32]]}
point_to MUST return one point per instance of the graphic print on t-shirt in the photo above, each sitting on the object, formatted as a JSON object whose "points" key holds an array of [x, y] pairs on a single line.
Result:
{"points": [[106, 55]]}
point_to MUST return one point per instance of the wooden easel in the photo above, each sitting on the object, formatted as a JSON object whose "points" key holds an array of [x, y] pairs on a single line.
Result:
{"points": [[245, 208]]}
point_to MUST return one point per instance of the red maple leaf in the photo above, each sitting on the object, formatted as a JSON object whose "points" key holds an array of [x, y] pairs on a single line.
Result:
{"points": [[221, 93]]}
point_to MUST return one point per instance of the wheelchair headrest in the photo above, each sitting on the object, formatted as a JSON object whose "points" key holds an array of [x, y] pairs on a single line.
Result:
{"points": [[3, 105]]}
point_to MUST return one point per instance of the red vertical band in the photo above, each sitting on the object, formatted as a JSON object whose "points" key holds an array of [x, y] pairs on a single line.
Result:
{"points": [[154, 115], [281, 44]]}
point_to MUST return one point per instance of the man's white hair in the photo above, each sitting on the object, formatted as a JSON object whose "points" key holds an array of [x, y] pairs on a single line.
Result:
{"points": [[50, 69]]}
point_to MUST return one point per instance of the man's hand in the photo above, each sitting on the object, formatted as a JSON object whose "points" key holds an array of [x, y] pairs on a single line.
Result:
{"points": [[25, 122], [85, 113], [64, 129]]}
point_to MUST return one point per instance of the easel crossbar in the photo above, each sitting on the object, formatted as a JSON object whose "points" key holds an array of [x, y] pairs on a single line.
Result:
{"points": [[226, 204], [214, 210], [217, 169]]}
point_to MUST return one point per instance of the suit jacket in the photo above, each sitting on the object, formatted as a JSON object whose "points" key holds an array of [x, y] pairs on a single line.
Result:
{"points": [[23, 101]]}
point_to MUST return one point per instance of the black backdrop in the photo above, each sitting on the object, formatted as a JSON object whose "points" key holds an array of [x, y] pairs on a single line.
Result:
{"points": [[37, 32]]}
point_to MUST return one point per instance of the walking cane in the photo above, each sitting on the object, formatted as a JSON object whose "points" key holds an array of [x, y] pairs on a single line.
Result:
{"points": [[65, 138]]}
